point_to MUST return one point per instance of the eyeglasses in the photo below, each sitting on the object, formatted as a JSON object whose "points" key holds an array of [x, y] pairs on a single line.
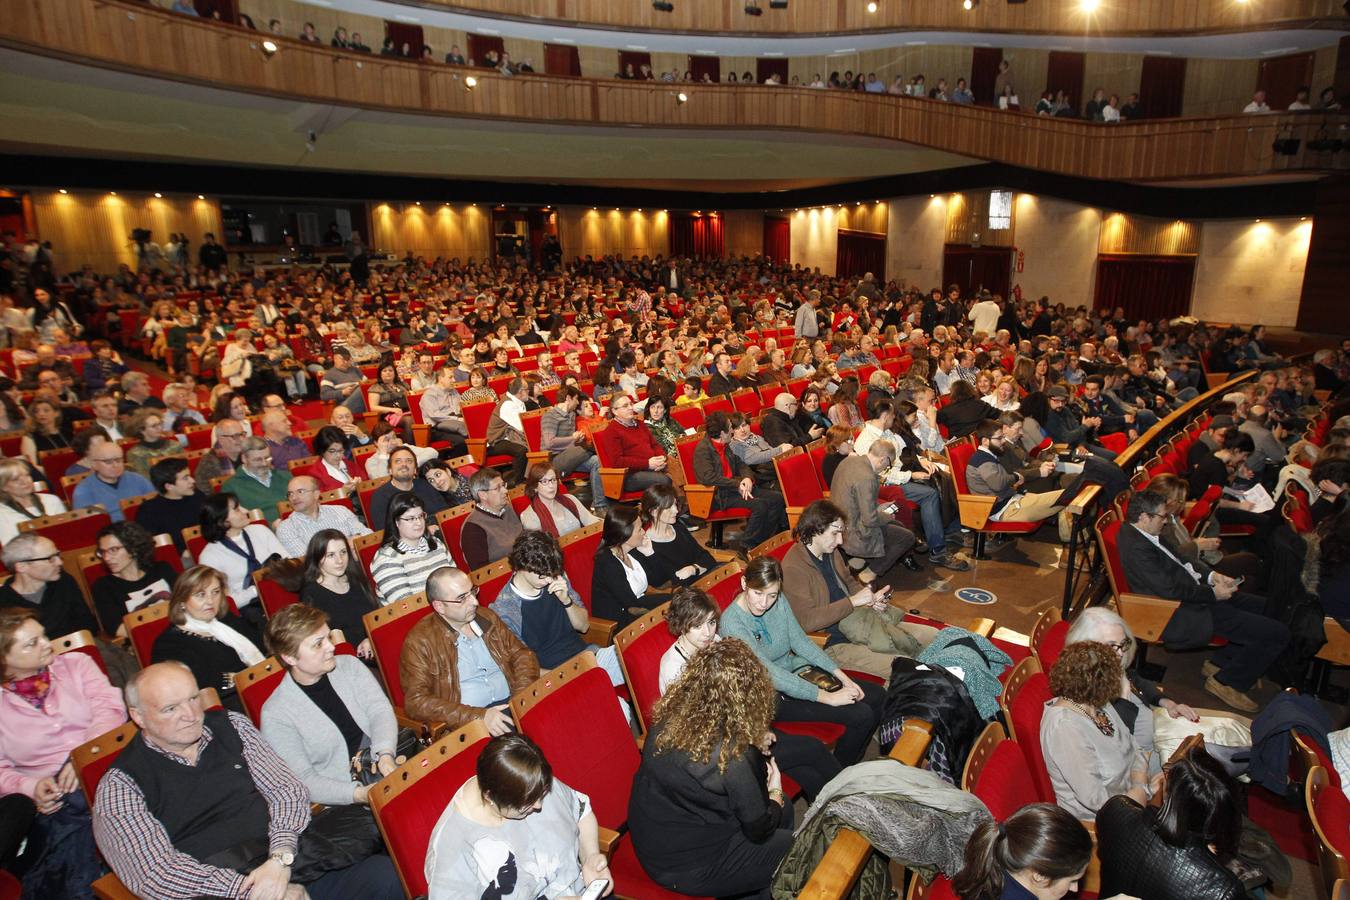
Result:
{"points": [[1120, 646], [414, 519], [53, 556], [106, 552], [110, 460], [471, 592], [229, 434], [547, 481]]}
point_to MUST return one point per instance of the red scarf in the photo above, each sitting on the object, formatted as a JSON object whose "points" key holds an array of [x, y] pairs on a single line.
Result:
{"points": [[546, 523], [34, 688]]}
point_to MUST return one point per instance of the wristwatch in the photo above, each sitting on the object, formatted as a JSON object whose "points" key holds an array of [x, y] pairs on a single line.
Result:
{"points": [[285, 857]]}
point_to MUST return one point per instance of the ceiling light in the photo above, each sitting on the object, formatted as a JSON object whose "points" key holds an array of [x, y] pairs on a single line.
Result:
{"points": [[64, 191], [872, 6], [1088, 6], [663, 6], [158, 195], [268, 48], [201, 196], [112, 193], [417, 203]]}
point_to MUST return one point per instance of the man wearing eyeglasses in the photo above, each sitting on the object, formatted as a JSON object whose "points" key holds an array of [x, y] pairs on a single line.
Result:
{"points": [[780, 424], [463, 663], [309, 516], [227, 444], [40, 583], [111, 482], [257, 485]]}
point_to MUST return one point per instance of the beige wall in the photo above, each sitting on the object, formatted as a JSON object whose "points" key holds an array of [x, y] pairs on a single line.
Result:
{"points": [[914, 241], [600, 232], [1059, 240], [815, 237], [450, 231], [95, 228], [743, 233], [1251, 271]]}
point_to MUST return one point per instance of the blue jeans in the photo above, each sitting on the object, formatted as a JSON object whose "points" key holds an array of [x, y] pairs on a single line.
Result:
{"points": [[930, 514], [579, 459]]}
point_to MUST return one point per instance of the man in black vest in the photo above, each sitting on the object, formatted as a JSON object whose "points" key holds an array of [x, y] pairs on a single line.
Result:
{"points": [[199, 805]]}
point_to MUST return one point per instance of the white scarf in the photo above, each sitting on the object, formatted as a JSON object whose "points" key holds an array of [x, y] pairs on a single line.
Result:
{"points": [[218, 630]]}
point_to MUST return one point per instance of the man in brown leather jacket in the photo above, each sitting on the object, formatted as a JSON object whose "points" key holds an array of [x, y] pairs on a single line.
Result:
{"points": [[462, 663]]}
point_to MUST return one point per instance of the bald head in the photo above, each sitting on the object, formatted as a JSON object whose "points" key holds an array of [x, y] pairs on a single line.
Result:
{"points": [[451, 594], [275, 425], [785, 403]]}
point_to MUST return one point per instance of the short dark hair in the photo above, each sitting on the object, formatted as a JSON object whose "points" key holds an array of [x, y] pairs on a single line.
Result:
{"points": [[987, 429], [215, 510], [1240, 441], [878, 405], [689, 608], [165, 472], [656, 498], [84, 437], [817, 517], [762, 572], [538, 553], [1145, 503], [716, 424], [513, 773], [326, 437], [140, 543]]}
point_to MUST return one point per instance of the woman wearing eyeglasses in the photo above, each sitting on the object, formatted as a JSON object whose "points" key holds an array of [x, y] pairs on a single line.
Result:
{"points": [[135, 578], [550, 510], [335, 470], [410, 552]]}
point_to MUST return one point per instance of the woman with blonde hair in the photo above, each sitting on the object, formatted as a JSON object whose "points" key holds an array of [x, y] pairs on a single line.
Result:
{"points": [[747, 370], [707, 812], [20, 501], [213, 642], [1004, 397]]}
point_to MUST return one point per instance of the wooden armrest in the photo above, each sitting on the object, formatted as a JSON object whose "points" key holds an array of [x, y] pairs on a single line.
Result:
{"points": [[723, 556], [700, 499], [601, 632], [608, 838], [535, 456], [975, 509], [1091, 881], [793, 514], [819, 637], [427, 731], [109, 887], [477, 449], [1084, 499], [1147, 615], [913, 742], [983, 627], [421, 434], [1012, 637], [612, 479], [1337, 648]]}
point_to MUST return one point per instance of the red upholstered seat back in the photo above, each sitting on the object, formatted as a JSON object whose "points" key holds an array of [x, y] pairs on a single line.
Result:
{"points": [[476, 416], [1109, 529], [641, 646], [451, 522], [145, 625], [1027, 707], [722, 584], [960, 454], [1005, 784], [388, 627], [1332, 810], [797, 475], [685, 449], [273, 596], [254, 694], [1052, 643], [579, 549], [690, 415], [598, 757]]}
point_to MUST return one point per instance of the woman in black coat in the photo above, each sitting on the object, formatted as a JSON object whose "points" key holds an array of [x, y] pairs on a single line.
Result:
{"points": [[213, 642], [965, 411], [624, 569]]}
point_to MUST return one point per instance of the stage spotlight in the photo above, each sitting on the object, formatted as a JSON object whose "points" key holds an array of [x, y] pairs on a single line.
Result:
{"points": [[1088, 6], [752, 9], [663, 6], [470, 83], [968, 5], [778, 4], [681, 97], [268, 48], [872, 6]]}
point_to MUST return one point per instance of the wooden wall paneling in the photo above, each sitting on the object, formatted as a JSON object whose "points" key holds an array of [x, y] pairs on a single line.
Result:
{"points": [[742, 233], [1322, 304], [1324, 70], [968, 216], [1281, 76], [1129, 234], [1218, 87], [1116, 73], [96, 227], [600, 232], [433, 230]]}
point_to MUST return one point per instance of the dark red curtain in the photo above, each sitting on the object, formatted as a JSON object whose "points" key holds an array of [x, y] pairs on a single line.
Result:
{"points": [[560, 59], [1063, 72], [698, 65], [637, 60], [1162, 81], [766, 67], [480, 44], [696, 235], [858, 253], [777, 239], [405, 34], [1149, 287], [1282, 76], [983, 70], [977, 268]]}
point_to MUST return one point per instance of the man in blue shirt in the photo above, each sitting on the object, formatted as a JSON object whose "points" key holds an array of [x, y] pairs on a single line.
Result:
{"points": [[111, 482]]}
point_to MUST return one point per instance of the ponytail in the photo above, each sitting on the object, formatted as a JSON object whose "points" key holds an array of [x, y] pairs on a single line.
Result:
{"points": [[1041, 838]]}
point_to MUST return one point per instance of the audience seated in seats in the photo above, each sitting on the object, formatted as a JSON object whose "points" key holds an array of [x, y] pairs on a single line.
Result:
{"points": [[506, 434], [49, 705], [754, 452], [276, 430], [920, 479], [146, 425], [336, 469], [838, 447], [387, 439], [1210, 605], [236, 548], [781, 425], [707, 812], [227, 446], [1114, 418], [723, 381], [256, 484], [337, 585], [442, 410], [343, 419], [403, 480], [493, 526], [513, 828], [342, 383], [40, 584], [1184, 848], [620, 586], [965, 411], [988, 474], [198, 804], [1158, 723], [1221, 467], [769, 628], [716, 466], [20, 501], [666, 430], [1040, 852], [135, 578], [844, 404], [1065, 425], [677, 558], [177, 503], [409, 552], [214, 643], [873, 540], [85, 441], [309, 516], [569, 448], [863, 631], [551, 510], [1245, 565], [462, 664], [1331, 478], [542, 608], [1089, 752], [327, 713], [389, 398], [110, 483], [631, 446]]}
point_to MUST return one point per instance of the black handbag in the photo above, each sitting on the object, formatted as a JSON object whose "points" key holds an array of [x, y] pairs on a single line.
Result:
{"points": [[363, 763]]}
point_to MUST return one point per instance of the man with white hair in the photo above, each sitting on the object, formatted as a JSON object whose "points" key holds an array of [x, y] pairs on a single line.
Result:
{"points": [[136, 393], [178, 410], [276, 430]]}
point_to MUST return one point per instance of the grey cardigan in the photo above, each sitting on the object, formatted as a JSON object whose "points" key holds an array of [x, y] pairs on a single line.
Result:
{"points": [[309, 742]]}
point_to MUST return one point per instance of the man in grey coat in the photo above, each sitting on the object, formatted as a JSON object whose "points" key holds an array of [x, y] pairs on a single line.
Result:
{"points": [[873, 538]]}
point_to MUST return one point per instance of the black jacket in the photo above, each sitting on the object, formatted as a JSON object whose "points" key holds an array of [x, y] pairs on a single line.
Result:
{"points": [[1137, 862], [780, 428], [723, 384], [62, 609], [1148, 570]]}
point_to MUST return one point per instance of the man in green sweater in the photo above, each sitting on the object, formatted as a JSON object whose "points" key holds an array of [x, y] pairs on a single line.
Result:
{"points": [[256, 484]]}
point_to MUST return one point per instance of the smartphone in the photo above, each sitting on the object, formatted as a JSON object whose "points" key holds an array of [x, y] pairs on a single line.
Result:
{"points": [[595, 889]]}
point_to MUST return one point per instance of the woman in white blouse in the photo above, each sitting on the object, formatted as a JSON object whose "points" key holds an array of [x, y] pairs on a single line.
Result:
{"points": [[234, 547], [20, 500], [1004, 397]]}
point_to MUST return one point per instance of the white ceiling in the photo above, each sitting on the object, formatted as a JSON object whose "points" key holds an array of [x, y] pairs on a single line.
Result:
{"points": [[1245, 45]]}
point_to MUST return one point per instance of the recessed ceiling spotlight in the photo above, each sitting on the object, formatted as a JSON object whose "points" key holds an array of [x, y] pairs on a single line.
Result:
{"points": [[158, 195]]}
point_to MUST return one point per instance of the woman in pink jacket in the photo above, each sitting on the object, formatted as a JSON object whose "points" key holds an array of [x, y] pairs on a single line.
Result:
{"points": [[49, 705]]}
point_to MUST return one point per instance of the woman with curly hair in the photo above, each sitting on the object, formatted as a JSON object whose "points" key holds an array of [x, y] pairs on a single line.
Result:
{"points": [[707, 812], [135, 578], [1089, 753]]}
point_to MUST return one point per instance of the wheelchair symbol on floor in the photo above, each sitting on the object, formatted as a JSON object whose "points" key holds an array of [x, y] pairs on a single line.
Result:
{"points": [[978, 596]]}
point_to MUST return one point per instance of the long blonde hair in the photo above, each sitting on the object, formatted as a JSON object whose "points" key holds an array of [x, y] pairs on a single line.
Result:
{"points": [[723, 700]]}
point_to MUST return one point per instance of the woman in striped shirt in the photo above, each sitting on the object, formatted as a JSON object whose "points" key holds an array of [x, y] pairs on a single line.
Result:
{"points": [[410, 551]]}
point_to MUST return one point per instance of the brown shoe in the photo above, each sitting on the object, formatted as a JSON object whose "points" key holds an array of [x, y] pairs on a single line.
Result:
{"points": [[1209, 669], [1231, 696]]}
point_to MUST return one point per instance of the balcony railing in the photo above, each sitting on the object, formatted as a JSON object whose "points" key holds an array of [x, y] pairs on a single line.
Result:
{"points": [[147, 40]]}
